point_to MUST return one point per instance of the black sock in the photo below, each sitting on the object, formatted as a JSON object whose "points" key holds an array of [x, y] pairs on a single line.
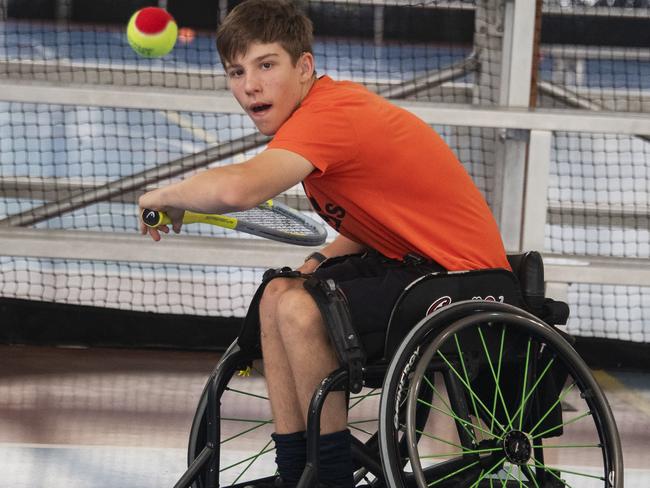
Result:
{"points": [[290, 456], [336, 460]]}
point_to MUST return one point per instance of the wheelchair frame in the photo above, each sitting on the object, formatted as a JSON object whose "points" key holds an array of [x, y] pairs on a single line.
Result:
{"points": [[430, 332]]}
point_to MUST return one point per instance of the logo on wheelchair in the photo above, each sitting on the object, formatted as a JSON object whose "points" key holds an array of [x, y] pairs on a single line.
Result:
{"points": [[443, 301], [401, 387]]}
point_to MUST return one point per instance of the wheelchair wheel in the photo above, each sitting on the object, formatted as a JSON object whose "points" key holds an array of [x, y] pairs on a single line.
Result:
{"points": [[245, 452], [513, 406], [244, 423]]}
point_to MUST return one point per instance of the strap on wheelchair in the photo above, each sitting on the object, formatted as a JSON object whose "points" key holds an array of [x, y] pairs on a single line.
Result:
{"points": [[334, 309]]}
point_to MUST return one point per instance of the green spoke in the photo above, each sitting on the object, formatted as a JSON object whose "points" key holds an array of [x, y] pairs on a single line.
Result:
{"points": [[504, 481], [440, 439], [256, 421], [260, 423], [359, 430], [453, 474], [361, 398], [253, 460], [456, 417], [552, 473], [497, 376], [362, 421], [523, 391], [471, 392], [253, 457], [532, 475], [465, 451], [245, 393], [489, 471], [560, 398], [563, 424], [570, 446], [462, 363], [534, 387], [450, 411]]}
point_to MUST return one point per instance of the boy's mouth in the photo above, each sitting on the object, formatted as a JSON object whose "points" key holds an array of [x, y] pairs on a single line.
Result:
{"points": [[260, 108]]}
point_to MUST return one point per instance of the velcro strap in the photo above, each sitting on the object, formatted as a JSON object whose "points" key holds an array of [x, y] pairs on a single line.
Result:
{"points": [[336, 315]]}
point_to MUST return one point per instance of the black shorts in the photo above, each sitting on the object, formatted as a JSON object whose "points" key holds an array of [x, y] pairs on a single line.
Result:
{"points": [[372, 283]]}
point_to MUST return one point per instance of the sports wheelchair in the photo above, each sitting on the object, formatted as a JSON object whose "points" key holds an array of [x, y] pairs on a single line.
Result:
{"points": [[476, 387]]}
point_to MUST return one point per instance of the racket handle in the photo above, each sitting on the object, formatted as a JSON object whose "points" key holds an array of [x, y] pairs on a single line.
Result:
{"points": [[154, 218]]}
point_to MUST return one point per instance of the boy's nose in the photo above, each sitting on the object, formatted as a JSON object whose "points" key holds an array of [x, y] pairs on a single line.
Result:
{"points": [[251, 84]]}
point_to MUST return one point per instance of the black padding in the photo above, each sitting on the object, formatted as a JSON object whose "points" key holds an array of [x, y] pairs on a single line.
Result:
{"points": [[336, 315], [529, 270], [436, 290]]}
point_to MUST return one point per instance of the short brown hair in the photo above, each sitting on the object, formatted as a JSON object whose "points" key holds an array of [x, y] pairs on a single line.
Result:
{"points": [[264, 21]]}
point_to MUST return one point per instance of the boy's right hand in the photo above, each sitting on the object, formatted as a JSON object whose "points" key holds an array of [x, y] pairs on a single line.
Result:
{"points": [[176, 216]]}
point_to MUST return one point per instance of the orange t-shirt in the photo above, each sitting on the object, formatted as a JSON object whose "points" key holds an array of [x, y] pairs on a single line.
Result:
{"points": [[387, 180]]}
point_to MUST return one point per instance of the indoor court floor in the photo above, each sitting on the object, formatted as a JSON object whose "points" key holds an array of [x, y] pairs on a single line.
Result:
{"points": [[100, 418]]}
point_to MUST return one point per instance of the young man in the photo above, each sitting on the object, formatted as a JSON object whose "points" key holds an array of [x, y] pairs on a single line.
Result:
{"points": [[381, 177]]}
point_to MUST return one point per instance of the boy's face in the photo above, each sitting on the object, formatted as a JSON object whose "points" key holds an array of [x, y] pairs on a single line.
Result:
{"points": [[267, 85]]}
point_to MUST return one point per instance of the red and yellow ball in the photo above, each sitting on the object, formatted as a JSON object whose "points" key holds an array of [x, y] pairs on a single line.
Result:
{"points": [[152, 32]]}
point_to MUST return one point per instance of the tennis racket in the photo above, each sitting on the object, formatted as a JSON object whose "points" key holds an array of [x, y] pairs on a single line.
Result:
{"points": [[272, 220]]}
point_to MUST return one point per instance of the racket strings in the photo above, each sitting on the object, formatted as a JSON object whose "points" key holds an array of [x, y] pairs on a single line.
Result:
{"points": [[271, 218]]}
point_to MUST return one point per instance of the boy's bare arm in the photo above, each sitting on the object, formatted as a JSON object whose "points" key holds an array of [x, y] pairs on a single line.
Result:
{"points": [[228, 188], [338, 247]]}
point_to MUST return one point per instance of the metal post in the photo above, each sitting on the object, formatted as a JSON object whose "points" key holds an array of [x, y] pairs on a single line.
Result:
{"points": [[536, 190], [514, 91]]}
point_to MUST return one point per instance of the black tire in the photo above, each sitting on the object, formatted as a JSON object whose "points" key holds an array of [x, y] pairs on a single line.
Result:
{"points": [[509, 405]]}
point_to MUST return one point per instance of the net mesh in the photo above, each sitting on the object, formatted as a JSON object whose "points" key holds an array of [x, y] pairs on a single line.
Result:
{"points": [[420, 51], [86, 126]]}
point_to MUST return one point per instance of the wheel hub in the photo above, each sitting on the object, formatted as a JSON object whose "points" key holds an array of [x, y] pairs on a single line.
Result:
{"points": [[517, 446]]}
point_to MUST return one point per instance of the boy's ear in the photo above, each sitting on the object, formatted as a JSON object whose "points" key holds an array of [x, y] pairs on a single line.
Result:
{"points": [[306, 65]]}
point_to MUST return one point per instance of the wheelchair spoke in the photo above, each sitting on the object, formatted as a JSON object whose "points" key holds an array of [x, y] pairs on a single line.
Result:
{"points": [[504, 481], [497, 376], [462, 363], [552, 472], [245, 393], [470, 391], [523, 388], [358, 399], [563, 424], [464, 468], [550, 409], [577, 473], [260, 423], [457, 418], [450, 411], [488, 472], [533, 389], [532, 475], [569, 446], [464, 451], [254, 457], [359, 429]]}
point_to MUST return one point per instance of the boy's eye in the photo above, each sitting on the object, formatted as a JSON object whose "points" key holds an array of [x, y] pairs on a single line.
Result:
{"points": [[235, 73], [266, 65]]}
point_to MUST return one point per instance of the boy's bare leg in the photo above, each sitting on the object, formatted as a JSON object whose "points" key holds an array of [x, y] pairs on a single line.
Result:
{"points": [[287, 409], [310, 354]]}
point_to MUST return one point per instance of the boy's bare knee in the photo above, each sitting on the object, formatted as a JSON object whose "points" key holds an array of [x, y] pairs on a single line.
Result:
{"points": [[270, 297], [298, 315]]}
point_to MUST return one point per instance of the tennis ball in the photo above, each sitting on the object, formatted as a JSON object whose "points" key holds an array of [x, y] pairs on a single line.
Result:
{"points": [[152, 32]]}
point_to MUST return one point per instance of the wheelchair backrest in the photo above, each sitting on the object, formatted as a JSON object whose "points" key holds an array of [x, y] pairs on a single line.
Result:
{"points": [[523, 287]]}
